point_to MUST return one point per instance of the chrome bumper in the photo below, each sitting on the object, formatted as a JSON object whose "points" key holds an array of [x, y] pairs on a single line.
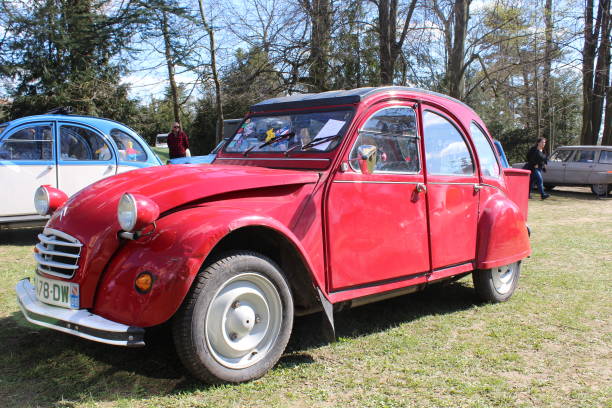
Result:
{"points": [[79, 323]]}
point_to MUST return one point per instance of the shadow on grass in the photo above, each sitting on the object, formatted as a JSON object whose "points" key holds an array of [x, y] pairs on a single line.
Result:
{"points": [[575, 193], [27, 236], [57, 368]]}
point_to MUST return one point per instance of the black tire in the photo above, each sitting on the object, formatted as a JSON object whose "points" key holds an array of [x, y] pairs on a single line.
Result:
{"points": [[549, 187], [497, 284], [236, 321], [600, 190]]}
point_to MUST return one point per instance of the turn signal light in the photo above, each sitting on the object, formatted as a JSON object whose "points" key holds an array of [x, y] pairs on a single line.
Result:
{"points": [[144, 282]]}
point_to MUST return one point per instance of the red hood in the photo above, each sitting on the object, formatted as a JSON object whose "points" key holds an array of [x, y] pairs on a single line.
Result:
{"points": [[172, 186]]}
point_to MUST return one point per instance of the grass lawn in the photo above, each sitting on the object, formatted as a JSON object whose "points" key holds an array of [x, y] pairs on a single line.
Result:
{"points": [[550, 345], [162, 153]]}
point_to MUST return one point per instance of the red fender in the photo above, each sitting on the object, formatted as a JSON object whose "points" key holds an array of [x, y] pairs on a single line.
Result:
{"points": [[173, 255], [502, 233]]}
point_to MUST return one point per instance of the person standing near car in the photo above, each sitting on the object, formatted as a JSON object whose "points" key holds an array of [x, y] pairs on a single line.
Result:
{"points": [[536, 162], [178, 142]]}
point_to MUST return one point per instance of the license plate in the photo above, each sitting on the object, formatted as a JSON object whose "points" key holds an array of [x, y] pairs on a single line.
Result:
{"points": [[58, 293]]}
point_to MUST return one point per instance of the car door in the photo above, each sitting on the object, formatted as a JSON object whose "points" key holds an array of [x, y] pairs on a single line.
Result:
{"points": [[452, 191], [580, 166], [85, 156], [27, 161], [377, 225], [555, 169]]}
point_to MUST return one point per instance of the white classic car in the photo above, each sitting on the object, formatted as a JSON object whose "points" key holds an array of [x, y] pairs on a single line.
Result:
{"points": [[64, 151]]}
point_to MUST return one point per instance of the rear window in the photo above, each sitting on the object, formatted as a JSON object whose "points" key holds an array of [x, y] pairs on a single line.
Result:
{"points": [[605, 157]]}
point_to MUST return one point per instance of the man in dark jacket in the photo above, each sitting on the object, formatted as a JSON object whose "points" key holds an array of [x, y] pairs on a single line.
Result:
{"points": [[178, 142], [536, 162]]}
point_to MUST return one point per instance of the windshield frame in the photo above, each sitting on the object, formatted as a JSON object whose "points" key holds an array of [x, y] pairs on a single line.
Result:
{"points": [[288, 154]]}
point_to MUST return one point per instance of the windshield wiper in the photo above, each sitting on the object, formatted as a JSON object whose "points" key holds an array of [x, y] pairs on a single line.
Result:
{"points": [[276, 139], [317, 142]]}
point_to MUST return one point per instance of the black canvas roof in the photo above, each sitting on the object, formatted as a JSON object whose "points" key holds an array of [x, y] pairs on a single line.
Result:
{"points": [[341, 97]]}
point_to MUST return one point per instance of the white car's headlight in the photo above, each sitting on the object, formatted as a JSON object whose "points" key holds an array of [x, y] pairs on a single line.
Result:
{"points": [[47, 199], [41, 201], [127, 212]]}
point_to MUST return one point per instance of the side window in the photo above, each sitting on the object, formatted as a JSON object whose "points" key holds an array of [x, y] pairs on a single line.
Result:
{"points": [[129, 148], [488, 162], [29, 143], [561, 155], [446, 153], [77, 143], [585, 156], [393, 131], [605, 157]]}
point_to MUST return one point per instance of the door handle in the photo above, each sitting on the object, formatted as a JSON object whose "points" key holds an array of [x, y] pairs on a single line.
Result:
{"points": [[421, 188], [477, 187]]}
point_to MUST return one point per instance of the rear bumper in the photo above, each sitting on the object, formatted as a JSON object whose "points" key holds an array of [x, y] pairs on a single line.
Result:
{"points": [[79, 323]]}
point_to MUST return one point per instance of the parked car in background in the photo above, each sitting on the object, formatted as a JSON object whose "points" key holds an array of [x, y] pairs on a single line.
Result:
{"points": [[65, 151], [589, 166], [205, 159], [317, 202]]}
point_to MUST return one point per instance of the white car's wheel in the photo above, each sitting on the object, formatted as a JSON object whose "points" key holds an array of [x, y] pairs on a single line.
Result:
{"points": [[601, 190], [236, 321], [497, 284]]}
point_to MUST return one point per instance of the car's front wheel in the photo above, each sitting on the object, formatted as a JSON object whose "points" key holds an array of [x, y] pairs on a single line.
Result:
{"points": [[497, 284], [601, 190], [236, 321]]}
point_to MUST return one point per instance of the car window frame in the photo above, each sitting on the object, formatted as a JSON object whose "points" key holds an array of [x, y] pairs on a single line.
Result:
{"points": [[417, 138], [601, 152], [133, 136], [112, 148], [489, 140], [9, 131], [466, 141]]}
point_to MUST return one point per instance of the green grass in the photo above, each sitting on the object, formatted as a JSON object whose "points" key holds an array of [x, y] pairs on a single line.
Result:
{"points": [[162, 153], [548, 346]]}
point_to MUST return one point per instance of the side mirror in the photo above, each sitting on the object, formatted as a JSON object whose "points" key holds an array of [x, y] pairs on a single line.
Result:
{"points": [[367, 158]]}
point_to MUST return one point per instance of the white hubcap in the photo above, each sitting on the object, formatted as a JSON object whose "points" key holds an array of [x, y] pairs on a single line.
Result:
{"points": [[243, 320], [503, 277]]}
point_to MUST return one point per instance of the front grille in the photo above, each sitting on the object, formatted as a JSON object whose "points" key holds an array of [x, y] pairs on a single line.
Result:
{"points": [[57, 253]]}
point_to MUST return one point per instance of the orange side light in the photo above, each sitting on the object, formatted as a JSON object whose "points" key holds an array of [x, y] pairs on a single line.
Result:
{"points": [[144, 282]]}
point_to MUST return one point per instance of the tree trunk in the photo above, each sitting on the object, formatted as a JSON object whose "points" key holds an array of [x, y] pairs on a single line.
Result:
{"points": [[456, 68], [546, 88], [602, 71], [591, 36], [170, 65], [389, 46], [320, 17], [213, 67], [607, 133]]}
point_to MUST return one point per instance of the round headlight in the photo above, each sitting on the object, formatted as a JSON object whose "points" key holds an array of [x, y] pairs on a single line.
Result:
{"points": [[41, 200], [127, 212], [136, 211], [47, 199]]}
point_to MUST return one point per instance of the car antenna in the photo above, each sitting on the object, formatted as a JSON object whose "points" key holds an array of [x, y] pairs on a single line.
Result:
{"points": [[61, 110]]}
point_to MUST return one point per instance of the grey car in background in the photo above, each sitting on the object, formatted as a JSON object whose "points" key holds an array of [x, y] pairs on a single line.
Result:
{"points": [[589, 166]]}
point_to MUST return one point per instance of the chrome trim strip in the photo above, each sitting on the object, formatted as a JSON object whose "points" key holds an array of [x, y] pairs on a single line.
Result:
{"points": [[489, 185], [269, 158], [375, 182], [53, 273], [80, 323], [63, 235], [52, 241], [53, 264], [43, 250], [449, 183]]}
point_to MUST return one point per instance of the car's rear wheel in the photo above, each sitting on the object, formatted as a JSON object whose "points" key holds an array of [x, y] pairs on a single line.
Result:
{"points": [[497, 284], [236, 321], [601, 189]]}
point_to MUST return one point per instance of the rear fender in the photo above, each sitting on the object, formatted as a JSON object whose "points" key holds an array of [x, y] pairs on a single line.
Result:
{"points": [[173, 254], [502, 233]]}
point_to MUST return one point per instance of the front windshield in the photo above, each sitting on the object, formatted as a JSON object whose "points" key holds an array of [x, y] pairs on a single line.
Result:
{"points": [[300, 131]]}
